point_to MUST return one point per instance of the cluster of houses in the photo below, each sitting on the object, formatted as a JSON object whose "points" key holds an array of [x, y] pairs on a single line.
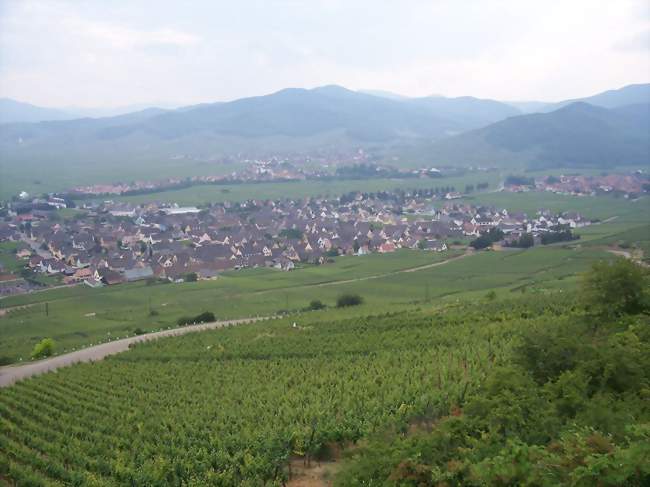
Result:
{"points": [[628, 185], [110, 243]]}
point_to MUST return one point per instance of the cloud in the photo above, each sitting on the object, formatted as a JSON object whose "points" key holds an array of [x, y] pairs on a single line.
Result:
{"points": [[98, 53], [638, 42], [120, 37]]}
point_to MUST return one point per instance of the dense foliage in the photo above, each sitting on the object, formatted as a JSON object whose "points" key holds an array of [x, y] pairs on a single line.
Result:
{"points": [[561, 233], [612, 288], [516, 180], [348, 299], [569, 407], [205, 317], [487, 238], [524, 242], [44, 348]]}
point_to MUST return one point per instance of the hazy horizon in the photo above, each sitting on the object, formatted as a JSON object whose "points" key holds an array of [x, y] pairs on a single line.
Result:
{"points": [[55, 53]]}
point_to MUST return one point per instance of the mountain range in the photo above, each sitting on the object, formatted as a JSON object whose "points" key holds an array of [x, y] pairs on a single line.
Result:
{"points": [[604, 129], [576, 135]]}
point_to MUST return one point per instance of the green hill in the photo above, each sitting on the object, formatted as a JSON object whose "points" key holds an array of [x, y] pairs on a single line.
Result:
{"points": [[578, 135]]}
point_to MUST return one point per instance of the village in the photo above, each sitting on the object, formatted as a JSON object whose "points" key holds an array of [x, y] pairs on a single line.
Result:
{"points": [[627, 185], [109, 243]]}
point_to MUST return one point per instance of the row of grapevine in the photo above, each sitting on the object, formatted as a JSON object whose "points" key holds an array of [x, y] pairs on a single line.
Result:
{"points": [[233, 406]]}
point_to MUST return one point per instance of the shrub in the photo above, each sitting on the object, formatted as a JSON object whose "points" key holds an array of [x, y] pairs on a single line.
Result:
{"points": [[315, 305], [185, 320], [191, 277], [4, 360], [139, 331], [348, 300], [204, 317], [44, 348], [614, 288]]}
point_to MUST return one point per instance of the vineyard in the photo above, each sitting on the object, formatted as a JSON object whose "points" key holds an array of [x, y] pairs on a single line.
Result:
{"points": [[241, 405], [231, 407]]}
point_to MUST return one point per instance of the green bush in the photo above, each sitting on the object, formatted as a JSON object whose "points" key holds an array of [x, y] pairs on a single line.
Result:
{"points": [[191, 277], [315, 305], [4, 360], [348, 300], [205, 317], [44, 348], [613, 288]]}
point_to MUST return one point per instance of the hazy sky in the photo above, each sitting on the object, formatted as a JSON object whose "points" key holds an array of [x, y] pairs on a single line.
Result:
{"points": [[114, 52]]}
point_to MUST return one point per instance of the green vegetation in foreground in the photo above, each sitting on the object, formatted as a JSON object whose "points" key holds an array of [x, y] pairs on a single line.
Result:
{"points": [[488, 392], [568, 406], [81, 316], [8, 260]]}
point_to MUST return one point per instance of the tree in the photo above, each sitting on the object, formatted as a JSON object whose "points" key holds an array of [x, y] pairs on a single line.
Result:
{"points": [[348, 300], [487, 239], [315, 305], [524, 242], [44, 348], [613, 288]]}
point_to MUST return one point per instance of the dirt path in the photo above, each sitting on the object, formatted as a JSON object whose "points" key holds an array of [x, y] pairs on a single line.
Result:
{"points": [[628, 255], [367, 278], [13, 373]]}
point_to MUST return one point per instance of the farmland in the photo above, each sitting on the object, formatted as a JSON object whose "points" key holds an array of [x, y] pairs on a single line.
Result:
{"points": [[252, 404], [80, 316], [198, 195]]}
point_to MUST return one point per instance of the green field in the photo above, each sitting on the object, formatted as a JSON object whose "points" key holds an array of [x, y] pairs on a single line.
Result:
{"points": [[80, 316], [37, 177], [201, 194], [8, 260], [434, 393], [601, 207]]}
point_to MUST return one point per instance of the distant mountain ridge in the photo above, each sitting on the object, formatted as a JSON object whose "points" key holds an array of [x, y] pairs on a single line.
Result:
{"points": [[627, 95], [293, 113], [577, 135], [12, 111], [462, 130]]}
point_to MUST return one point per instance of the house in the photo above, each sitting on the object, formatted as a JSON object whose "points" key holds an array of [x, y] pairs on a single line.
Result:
{"points": [[110, 277], [435, 245], [79, 275], [387, 247], [206, 274], [284, 264], [92, 282], [138, 273]]}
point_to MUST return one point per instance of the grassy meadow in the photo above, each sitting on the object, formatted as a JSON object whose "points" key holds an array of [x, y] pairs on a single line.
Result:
{"points": [[81, 316]]}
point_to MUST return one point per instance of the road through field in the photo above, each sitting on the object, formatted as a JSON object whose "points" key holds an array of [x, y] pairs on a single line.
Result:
{"points": [[467, 253], [13, 373]]}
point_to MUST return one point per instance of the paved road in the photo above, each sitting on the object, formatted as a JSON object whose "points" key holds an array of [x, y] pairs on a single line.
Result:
{"points": [[13, 373]]}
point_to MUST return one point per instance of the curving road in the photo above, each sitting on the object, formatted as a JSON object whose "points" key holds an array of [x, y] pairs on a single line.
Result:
{"points": [[13, 373]]}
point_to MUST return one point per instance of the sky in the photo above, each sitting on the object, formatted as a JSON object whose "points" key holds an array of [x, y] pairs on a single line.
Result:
{"points": [[98, 53]]}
